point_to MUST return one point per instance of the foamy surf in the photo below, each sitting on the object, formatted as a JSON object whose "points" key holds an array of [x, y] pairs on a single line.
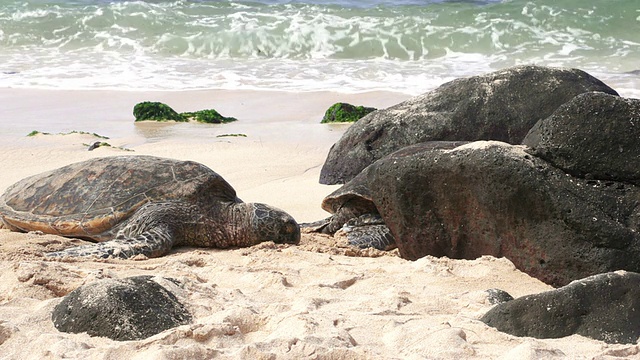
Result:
{"points": [[347, 46]]}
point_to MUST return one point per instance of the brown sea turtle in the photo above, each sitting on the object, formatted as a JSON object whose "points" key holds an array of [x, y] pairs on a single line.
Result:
{"points": [[140, 205]]}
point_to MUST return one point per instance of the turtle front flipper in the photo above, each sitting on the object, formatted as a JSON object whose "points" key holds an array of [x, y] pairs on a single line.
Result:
{"points": [[369, 231], [152, 243], [152, 231]]}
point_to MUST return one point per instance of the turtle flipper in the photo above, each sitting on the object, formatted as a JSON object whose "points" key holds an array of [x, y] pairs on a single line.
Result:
{"points": [[152, 243], [317, 226], [152, 231], [369, 230]]}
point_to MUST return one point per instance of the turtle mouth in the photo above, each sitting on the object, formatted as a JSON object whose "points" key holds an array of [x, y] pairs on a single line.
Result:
{"points": [[291, 233], [295, 238]]}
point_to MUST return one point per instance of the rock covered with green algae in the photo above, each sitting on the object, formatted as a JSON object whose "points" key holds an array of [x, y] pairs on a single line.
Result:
{"points": [[208, 116], [158, 111], [343, 112]]}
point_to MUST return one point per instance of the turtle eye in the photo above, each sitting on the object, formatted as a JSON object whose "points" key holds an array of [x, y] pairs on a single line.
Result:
{"points": [[289, 228]]}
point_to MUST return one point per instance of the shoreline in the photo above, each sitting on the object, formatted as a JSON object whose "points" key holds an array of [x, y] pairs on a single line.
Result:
{"points": [[278, 162], [111, 110]]}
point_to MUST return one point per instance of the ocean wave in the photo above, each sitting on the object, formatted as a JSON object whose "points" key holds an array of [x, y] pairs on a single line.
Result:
{"points": [[303, 31], [274, 42]]}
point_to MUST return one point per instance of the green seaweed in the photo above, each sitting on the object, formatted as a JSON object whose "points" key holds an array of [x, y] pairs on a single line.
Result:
{"points": [[150, 110], [208, 116], [158, 111], [36, 132], [232, 135], [343, 112]]}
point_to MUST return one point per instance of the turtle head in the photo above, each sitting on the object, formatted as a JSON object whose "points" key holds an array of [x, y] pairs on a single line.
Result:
{"points": [[272, 224]]}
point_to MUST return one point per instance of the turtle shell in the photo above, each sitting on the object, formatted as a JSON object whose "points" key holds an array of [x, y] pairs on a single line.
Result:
{"points": [[356, 196], [90, 199]]}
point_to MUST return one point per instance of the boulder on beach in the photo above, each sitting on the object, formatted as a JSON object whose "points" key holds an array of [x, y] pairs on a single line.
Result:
{"points": [[121, 309], [151, 110], [493, 198], [503, 105], [343, 112], [603, 307], [595, 135]]}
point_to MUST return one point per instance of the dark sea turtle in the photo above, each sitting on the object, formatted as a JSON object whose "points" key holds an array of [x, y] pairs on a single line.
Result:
{"points": [[140, 205], [354, 212]]}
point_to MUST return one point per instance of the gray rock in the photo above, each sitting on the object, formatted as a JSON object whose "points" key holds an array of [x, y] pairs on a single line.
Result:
{"points": [[492, 198], [502, 105], [121, 309], [595, 135], [603, 307]]}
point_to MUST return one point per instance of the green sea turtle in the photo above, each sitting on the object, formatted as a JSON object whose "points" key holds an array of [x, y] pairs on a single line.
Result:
{"points": [[354, 212], [140, 205]]}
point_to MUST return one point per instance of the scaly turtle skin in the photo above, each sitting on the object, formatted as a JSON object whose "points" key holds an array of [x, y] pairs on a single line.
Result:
{"points": [[140, 205], [354, 212]]}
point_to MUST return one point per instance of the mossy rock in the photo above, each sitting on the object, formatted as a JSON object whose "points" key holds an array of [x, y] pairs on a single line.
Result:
{"points": [[343, 112], [208, 116], [158, 111]]}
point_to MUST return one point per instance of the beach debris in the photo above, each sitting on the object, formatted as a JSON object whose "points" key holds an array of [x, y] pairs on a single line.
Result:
{"points": [[158, 111], [98, 144], [36, 132], [602, 307], [140, 206], [231, 135], [132, 308], [344, 112], [502, 105]]}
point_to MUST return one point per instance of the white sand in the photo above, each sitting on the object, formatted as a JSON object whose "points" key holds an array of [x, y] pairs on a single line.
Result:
{"points": [[265, 302]]}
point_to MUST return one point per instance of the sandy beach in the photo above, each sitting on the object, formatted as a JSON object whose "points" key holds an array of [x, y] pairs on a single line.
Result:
{"points": [[316, 300]]}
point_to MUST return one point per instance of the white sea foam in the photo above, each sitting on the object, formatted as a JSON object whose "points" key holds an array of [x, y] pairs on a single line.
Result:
{"points": [[179, 45]]}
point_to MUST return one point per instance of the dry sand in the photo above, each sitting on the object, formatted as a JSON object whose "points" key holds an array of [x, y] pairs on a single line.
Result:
{"points": [[318, 300]]}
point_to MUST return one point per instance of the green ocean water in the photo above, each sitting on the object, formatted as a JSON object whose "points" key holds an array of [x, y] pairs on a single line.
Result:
{"points": [[405, 45]]}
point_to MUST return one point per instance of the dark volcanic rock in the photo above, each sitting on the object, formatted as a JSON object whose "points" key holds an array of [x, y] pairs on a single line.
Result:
{"points": [[492, 198], [120, 309], [603, 307], [595, 135], [502, 105]]}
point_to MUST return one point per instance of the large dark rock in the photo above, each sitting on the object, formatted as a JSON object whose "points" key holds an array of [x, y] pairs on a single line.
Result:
{"points": [[492, 198], [502, 105], [595, 135], [603, 307], [120, 309]]}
